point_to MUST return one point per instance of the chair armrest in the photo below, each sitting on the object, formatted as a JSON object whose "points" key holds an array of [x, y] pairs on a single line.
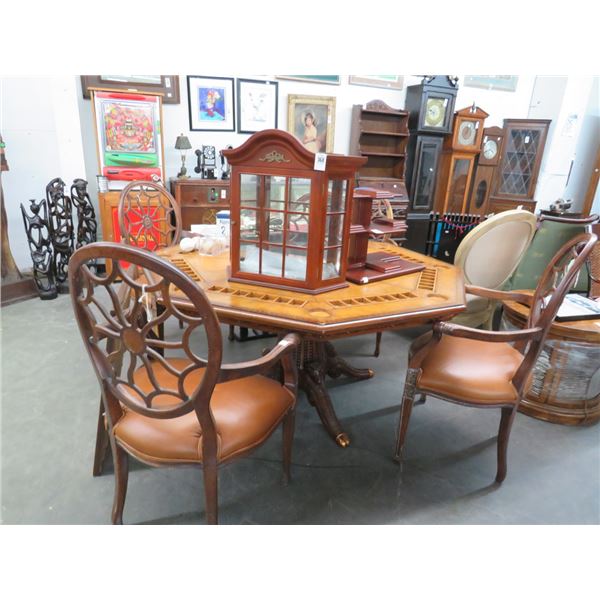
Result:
{"points": [[452, 329], [281, 353], [521, 296]]}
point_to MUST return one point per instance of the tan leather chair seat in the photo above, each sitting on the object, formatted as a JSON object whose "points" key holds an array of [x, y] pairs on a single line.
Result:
{"points": [[245, 412], [470, 370]]}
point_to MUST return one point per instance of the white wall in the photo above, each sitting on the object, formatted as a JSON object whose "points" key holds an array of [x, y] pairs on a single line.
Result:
{"points": [[48, 129], [586, 149], [567, 119], [39, 121]]}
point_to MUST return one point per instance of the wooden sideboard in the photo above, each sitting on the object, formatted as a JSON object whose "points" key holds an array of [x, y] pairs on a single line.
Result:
{"points": [[200, 199]]}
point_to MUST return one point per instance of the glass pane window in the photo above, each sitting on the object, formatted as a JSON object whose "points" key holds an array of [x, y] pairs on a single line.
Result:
{"points": [[273, 227], [248, 225], [249, 258], [299, 196], [249, 189], [334, 229], [331, 262], [336, 195], [295, 263], [272, 260], [275, 192]]}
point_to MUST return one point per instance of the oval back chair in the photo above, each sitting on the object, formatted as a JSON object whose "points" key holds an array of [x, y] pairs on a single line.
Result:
{"points": [[481, 368], [172, 402], [488, 256], [149, 216]]}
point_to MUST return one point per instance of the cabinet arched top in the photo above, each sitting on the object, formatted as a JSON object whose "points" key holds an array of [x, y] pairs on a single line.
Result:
{"points": [[273, 148]]}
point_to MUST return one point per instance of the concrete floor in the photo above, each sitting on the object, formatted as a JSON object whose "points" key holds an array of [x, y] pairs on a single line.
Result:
{"points": [[49, 409]]}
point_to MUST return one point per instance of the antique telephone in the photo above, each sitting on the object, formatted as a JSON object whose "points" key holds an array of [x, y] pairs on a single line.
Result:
{"points": [[206, 162]]}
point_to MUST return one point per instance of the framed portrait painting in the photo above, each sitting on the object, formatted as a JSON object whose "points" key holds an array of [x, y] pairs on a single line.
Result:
{"points": [[211, 103], [256, 105], [311, 119]]}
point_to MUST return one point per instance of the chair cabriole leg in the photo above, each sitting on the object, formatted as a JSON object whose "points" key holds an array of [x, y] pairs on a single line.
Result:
{"points": [[121, 460], [288, 438], [408, 398], [211, 492], [506, 421]]}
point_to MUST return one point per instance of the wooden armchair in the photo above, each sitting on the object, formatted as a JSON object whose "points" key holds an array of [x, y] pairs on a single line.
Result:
{"points": [[482, 369], [173, 402], [149, 216]]}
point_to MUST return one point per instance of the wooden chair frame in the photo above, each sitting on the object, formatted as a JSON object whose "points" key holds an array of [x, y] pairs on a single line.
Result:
{"points": [[125, 332], [144, 230], [554, 284]]}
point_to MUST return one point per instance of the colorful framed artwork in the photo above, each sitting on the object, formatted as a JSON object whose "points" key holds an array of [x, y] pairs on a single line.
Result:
{"points": [[128, 135], [392, 82], [502, 83], [311, 119], [329, 79], [211, 103], [256, 105], [167, 85]]}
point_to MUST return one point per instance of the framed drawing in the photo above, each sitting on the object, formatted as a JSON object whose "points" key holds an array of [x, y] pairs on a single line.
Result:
{"points": [[211, 103], [312, 120], [503, 83], [168, 85], [329, 79], [392, 82], [256, 105]]}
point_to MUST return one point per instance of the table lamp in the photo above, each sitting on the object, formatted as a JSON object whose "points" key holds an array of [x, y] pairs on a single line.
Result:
{"points": [[182, 144]]}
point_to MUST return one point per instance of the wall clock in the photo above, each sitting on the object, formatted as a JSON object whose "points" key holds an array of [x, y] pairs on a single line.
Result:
{"points": [[457, 162], [479, 201]]}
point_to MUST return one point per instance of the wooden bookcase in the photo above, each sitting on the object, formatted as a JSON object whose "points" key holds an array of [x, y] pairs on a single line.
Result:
{"points": [[380, 133]]}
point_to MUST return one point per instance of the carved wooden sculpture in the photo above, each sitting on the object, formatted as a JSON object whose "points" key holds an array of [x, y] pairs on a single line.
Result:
{"points": [[60, 221], [40, 247], [87, 226]]}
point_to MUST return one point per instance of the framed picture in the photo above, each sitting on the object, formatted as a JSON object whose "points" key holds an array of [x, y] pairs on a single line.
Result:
{"points": [[168, 85], [311, 119], [503, 83], [211, 103], [329, 79], [256, 105], [393, 82]]}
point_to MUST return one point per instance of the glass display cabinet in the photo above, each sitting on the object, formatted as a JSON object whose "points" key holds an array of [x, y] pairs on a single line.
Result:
{"points": [[520, 160], [289, 222]]}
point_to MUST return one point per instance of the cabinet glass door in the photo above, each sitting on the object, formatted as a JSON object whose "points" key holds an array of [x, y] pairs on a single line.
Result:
{"points": [[426, 175], [519, 161], [458, 185]]}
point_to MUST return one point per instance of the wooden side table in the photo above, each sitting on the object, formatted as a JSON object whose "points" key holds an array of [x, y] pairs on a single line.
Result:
{"points": [[200, 199], [566, 378]]}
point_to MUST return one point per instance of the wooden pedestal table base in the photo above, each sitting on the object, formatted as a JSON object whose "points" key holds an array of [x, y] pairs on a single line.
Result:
{"points": [[318, 360]]}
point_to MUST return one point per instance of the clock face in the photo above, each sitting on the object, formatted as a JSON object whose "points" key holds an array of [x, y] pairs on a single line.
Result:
{"points": [[466, 133], [435, 112], [490, 149]]}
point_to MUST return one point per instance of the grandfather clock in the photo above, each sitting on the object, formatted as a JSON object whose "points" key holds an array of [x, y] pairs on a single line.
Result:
{"points": [[431, 106], [457, 162], [487, 162]]}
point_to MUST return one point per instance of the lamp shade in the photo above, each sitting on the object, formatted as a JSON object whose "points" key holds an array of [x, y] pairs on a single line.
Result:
{"points": [[182, 143]]}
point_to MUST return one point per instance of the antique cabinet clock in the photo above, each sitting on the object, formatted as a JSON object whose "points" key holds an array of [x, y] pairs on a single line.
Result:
{"points": [[431, 106], [457, 162], [487, 162]]}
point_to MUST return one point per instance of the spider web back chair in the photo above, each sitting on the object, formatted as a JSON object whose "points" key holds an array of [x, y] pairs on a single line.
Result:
{"points": [[149, 216], [184, 407], [480, 368]]}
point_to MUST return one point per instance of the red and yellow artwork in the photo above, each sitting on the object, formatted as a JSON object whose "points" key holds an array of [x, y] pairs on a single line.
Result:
{"points": [[128, 127]]}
